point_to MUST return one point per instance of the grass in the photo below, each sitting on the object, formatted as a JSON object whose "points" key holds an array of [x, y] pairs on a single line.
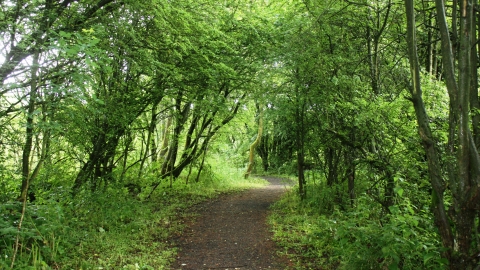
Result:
{"points": [[295, 231]]}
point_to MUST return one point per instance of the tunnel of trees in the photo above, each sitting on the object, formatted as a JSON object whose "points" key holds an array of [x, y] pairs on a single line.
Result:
{"points": [[372, 106]]}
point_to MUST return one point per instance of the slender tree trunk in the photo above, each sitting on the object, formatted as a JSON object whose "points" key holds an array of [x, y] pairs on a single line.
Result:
{"points": [[465, 215], [389, 188], [263, 151], [165, 139], [454, 32], [351, 182], [332, 160], [44, 151], [251, 154], [171, 157], [27, 148], [188, 142], [430, 45], [180, 120], [373, 43], [474, 101], [428, 143], [202, 163], [474, 91], [189, 173], [302, 185], [99, 165], [151, 129], [351, 167], [127, 142], [300, 130]]}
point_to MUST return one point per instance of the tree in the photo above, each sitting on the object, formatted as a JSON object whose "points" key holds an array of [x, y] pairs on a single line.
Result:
{"points": [[255, 144], [463, 176]]}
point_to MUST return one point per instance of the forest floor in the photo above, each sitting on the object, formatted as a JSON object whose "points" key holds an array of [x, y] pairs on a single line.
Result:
{"points": [[231, 232]]}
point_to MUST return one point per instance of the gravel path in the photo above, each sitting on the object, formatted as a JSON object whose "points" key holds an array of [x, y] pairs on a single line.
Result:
{"points": [[231, 232]]}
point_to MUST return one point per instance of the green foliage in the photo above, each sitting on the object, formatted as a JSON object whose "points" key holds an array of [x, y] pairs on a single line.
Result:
{"points": [[41, 236], [134, 94], [112, 75], [111, 228], [106, 224], [315, 235]]}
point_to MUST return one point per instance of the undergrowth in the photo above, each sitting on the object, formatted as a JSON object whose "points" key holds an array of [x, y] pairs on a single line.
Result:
{"points": [[317, 234], [109, 229]]}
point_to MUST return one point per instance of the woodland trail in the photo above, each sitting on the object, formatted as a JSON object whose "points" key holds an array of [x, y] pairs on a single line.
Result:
{"points": [[231, 232]]}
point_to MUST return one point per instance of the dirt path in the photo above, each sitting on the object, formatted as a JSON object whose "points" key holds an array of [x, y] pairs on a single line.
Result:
{"points": [[231, 232]]}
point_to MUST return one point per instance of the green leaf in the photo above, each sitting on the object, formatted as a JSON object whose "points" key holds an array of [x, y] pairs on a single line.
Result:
{"points": [[427, 257], [394, 209], [398, 190], [72, 51], [88, 31], [65, 34], [393, 266]]}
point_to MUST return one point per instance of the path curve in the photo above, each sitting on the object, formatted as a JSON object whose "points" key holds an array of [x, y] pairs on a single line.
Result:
{"points": [[231, 232]]}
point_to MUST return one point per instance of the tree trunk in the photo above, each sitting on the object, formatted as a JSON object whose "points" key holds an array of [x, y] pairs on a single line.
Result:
{"points": [[373, 43], [302, 185], [127, 142], [474, 101], [202, 163], [254, 145], [465, 215], [263, 151], [181, 117], [27, 148], [351, 182], [351, 166], [99, 165], [332, 160], [299, 134], [151, 129], [428, 143], [165, 138]]}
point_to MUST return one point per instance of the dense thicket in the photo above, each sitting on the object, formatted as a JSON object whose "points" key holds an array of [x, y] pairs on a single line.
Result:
{"points": [[373, 105]]}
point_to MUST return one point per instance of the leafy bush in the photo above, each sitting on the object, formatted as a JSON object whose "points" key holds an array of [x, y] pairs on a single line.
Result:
{"points": [[318, 235], [40, 236]]}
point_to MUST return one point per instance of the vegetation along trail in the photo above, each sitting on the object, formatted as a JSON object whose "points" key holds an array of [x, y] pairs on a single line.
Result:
{"points": [[231, 232]]}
